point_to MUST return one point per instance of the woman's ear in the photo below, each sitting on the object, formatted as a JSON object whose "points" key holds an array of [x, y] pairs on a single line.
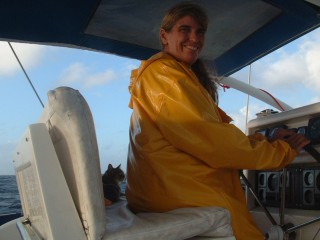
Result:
{"points": [[163, 37]]}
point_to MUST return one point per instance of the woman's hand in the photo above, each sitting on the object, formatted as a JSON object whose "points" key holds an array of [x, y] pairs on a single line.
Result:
{"points": [[296, 141]]}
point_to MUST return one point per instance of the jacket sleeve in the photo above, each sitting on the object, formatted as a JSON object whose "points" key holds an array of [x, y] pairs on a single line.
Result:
{"points": [[189, 120]]}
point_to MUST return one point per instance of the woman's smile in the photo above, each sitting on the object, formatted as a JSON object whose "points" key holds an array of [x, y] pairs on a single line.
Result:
{"points": [[185, 40]]}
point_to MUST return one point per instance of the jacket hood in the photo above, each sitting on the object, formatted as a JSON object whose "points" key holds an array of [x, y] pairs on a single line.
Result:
{"points": [[135, 73]]}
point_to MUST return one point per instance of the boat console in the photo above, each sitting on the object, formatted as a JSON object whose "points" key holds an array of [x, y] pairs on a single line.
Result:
{"points": [[291, 195], [59, 180]]}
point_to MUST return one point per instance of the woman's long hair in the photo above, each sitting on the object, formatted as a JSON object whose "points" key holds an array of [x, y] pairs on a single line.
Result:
{"points": [[205, 74]]}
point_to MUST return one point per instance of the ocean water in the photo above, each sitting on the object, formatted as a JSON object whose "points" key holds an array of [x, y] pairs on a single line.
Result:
{"points": [[9, 195]]}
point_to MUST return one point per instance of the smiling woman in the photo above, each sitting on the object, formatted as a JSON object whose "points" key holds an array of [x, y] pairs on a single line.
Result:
{"points": [[184, 152], [184, 41], [182, 32]]}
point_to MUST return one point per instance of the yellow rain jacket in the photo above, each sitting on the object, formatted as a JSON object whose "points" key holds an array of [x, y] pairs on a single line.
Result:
{"points": [[183, 150]]}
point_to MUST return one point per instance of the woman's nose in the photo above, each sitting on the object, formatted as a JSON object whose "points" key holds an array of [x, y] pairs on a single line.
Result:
{"points": [[195, 36]]}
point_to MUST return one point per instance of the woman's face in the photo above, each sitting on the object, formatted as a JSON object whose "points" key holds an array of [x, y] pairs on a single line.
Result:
{"points": [[185, 40]]}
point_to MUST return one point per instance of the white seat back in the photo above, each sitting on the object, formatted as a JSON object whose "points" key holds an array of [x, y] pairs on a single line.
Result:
{"points": [[71, 127]]}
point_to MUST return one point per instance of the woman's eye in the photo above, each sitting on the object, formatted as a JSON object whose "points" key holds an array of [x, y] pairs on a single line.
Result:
{"points": [[184, 29]]}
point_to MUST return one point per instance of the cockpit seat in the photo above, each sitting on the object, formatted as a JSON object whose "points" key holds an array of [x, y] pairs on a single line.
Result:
{"points": [[182, 223], [68, 122]]}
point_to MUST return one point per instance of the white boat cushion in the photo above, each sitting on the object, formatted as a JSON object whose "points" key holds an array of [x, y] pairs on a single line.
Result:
{"points": [[71, 127], [183, 223]]}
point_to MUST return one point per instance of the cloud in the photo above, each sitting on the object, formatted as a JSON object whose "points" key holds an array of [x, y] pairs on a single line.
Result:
{"points": [[239, 118], [287, 68], [101, 78], [313, 66], [291, 69], [74, 73], [30, 56], [82, 75]]}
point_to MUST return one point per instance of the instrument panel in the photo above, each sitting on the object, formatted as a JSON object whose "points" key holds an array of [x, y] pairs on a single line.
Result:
{"points": [[311, 131], [304, 120], [302, 188]]}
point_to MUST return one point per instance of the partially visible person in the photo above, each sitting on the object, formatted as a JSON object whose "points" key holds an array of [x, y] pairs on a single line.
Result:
{"points": [[183, 150]]}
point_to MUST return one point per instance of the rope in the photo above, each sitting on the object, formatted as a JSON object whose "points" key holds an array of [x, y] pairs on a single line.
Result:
{"points": [[25, 73], [274, 99], [248, 98], [223, 86]]}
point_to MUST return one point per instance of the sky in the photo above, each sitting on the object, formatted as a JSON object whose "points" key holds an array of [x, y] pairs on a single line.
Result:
{"points": [[291, 74]]}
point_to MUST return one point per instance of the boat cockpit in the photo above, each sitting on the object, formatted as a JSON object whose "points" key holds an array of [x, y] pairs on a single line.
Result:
{"points": [[59, 178]]}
